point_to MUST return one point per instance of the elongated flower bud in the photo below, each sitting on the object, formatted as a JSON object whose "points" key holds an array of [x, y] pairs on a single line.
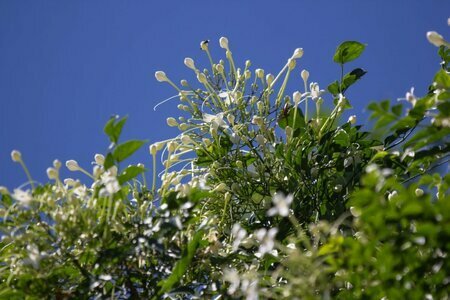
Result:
{"points": [[305, 75], [223, 41], [435, 38], [352, 119], [202, 78], [204, 45], [16, 156], [52, 173], [172, 122], [161, 76], [72, 165], [259, 73], [297, 96], [189, 62], [269, 79], [298, 53], [57, 164]]}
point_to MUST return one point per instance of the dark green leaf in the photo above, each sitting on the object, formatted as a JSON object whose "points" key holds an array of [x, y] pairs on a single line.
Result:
{"points": [[109, 161], [125, 150], [348, 51], [350, 78], [442, 79], [130, 173], [287, 119]]}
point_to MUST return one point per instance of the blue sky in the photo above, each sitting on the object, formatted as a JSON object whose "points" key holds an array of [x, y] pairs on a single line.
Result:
{"points": [[67, 66]]}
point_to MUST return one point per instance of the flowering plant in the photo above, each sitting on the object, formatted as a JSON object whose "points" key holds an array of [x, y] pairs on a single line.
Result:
{"points": [[263, 194]]}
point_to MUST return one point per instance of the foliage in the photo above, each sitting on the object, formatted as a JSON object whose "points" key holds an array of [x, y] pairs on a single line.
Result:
{"points": [[261, 196]]}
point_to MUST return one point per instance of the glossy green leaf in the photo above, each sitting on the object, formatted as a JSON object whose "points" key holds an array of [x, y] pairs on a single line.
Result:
{"points": [[442, 80], [125, 150], [113, 128], [348, 51]]}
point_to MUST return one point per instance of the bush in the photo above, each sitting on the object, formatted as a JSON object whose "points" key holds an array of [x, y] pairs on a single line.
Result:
{"points": [[262, 195]]}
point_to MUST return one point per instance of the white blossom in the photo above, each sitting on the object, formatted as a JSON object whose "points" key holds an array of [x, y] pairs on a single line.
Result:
{"points": [[215, 121], [239, 234], [266, 239], [110, 182], [23, 197], [281, 205]]}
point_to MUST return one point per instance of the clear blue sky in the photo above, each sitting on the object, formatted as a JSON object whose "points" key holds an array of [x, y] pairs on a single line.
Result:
{"points": [[66, 66]]}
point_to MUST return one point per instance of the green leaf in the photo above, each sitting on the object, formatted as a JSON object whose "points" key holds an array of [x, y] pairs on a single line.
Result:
{"points": [[350, 78], [348, 51], [130, 173], [287, 119], [182, 265], [333, 88], [442, 79], [125, 150], [109, 161], [113, 129]]}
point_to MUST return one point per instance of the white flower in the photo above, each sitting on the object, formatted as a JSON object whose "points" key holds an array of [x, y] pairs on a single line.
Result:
{"points": [[215, 121], [410, 97], [23, 197], [239, 234], [281, 205], [34, 256], [231, 276], [72, 165], [110, 182], [266, 239], [315, 91], [435, 38], [161, 76], [16, 156], [99, 159], [229, 97]]}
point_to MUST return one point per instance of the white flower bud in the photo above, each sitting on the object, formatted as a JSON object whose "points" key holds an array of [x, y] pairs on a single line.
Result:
{"points": [[247, 74], [305, 75], [435, 38], [189, 62], [230, 119], [269, 79], [202, 78], [204, 45], [392, 195], [16, 156], [220, 188], [257, 120], [99, 159], [291, 63], [183, 126], [186, 140], [70, 182], [4, 190], [248, 63], [239, 164], [72, 165], [161, 76], [206, 141], [419, 192], [298, 53], [184, 82], [259, 73], [289, 131], [52, 173], [152, 149], [172, 122], [352, 119], [297, 96], [219, 68], [223, 41], [56, 164], [260, 139], [172, 146]]}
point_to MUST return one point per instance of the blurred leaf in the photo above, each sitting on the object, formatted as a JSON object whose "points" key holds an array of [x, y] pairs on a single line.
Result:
{"points": [[442, 80], [287, 119], [333, 88], [350, 78], [109, 161], [130, 173], [125, 150], [348, 51]]}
